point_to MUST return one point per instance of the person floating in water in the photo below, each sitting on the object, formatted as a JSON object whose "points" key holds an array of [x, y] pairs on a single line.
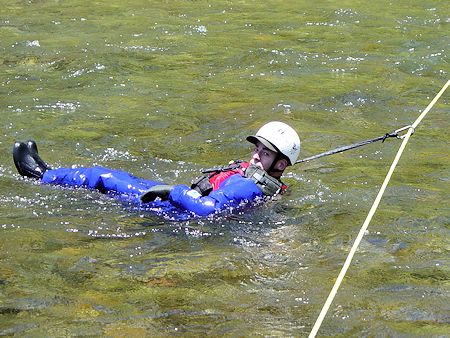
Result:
{"points": [[277, 146]]}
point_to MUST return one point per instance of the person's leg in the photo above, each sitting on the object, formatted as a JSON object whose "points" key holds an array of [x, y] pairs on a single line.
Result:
{"points": [[103, 179], [116, 182]]}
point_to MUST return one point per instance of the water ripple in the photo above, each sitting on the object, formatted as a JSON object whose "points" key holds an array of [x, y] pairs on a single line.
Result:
{"points": [[67, 106]]}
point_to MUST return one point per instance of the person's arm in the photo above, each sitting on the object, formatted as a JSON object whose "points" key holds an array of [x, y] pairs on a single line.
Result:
{"points": [[232, 192]]}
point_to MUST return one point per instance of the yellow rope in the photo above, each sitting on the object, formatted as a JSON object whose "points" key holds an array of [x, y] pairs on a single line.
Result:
{"points": [[344, 269]]}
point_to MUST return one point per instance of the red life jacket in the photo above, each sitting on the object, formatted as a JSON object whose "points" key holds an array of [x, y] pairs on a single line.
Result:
{"points": [[216, 178]]}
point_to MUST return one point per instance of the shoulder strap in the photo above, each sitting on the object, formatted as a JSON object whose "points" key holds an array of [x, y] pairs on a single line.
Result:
{"points": [[231, 166], [203, 184]]}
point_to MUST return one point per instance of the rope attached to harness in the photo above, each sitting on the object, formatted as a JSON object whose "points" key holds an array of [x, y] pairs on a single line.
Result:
{"points": [[364, 227], [357, 145]]}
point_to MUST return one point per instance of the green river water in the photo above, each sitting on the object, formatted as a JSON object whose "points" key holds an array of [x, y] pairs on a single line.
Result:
{"points": [[162, 89]]}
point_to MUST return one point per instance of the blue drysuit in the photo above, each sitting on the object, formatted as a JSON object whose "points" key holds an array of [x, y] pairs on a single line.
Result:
{"points": [[183, 202]]}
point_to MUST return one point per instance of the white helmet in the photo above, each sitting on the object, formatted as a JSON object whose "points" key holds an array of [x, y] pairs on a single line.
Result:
{"points": [[279, 137]]}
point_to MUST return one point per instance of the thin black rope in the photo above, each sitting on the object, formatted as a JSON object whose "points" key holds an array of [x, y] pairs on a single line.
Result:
{"points": [[351, 146]]}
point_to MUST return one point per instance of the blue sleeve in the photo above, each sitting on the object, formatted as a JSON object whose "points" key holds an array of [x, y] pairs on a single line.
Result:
{"points": [[232, 192]]}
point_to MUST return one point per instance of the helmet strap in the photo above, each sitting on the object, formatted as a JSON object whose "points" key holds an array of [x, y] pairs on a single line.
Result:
{"points": [[272, 166]]}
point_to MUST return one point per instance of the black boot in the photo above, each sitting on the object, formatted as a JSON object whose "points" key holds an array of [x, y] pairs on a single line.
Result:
{"points": [[31, 144], [27, 160]]}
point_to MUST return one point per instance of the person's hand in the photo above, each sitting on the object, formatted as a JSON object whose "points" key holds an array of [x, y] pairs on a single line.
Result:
{"points": [[162, 191]]}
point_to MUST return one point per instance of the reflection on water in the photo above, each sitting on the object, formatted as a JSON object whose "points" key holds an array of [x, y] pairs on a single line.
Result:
{"points": [[163, 90]]}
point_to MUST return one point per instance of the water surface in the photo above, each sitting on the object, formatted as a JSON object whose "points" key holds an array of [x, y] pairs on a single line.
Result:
{"points": [[162, 89]]}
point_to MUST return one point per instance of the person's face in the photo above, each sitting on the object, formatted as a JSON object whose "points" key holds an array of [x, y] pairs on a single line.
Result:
{"points": [[262, 156]]}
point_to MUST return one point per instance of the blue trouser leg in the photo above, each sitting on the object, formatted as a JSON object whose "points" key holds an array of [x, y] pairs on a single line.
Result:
{"points": [[99, 178], [116, 183]]}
